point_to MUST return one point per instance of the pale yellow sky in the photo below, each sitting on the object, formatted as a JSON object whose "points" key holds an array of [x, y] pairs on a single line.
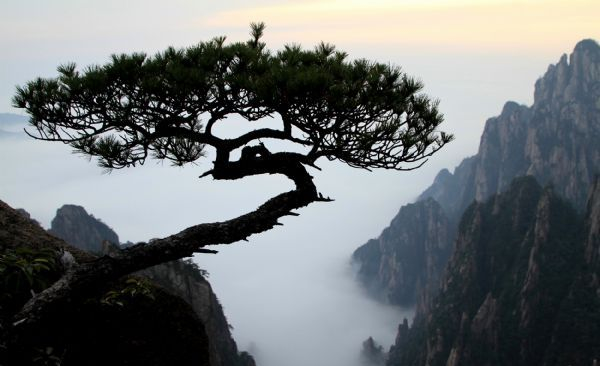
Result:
{"points": [[494, 24], [472, 55], [37, 35]]}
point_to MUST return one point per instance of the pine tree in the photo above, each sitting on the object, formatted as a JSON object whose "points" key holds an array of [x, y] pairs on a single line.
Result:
{"points": [[138, 107]]}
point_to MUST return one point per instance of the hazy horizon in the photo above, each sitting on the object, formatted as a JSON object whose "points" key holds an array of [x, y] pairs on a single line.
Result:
{"points": [[472, 56]]}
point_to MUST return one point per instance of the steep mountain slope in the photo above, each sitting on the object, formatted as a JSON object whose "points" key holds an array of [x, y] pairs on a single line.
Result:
{"points": [[151, 327], [184, 280], [519, 289], [75, 226], [555, 140], [409, 253], [180, 278]]}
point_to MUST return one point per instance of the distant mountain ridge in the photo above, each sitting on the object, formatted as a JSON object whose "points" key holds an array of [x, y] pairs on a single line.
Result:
{"points": [[555, 140], [10, 122], [11, 118], [408, 255], [74, 225]]}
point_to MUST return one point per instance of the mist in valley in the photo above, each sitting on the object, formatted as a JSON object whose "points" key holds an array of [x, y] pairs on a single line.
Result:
{"points": [[289, 294], [299, 309]]}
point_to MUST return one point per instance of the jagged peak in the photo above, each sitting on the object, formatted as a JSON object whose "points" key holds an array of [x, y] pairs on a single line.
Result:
{"points": [[587, 44], [511, 107], [72, 208], [564, 60], [77, 227], [442, 176], [572, 76], [585, 55]]}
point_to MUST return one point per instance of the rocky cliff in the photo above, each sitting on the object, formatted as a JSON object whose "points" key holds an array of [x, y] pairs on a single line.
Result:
{"points": [[408, 255], [555, 140], [149, 327], [74, 225], [180, 278], [519, 289], [183, 279]]}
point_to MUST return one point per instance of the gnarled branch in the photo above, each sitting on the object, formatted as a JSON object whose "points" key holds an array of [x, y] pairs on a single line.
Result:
{"points": [[77, 283]]}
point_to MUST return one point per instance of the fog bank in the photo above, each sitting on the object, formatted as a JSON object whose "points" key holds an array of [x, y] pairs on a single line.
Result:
{"points": [[288, 293], [295, 302]]}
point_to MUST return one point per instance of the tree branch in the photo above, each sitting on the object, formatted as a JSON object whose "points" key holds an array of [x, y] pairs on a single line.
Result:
{"points": [[264, 133], [78, 283]]}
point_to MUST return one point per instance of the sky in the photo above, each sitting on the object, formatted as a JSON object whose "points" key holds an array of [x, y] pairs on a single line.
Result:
{"points": [[471, 55]]}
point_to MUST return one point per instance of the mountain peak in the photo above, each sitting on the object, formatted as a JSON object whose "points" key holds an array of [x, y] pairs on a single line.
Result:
{"points": [[587, 45], [72, 209], [509, 108], [572, 77], [75, 226]]}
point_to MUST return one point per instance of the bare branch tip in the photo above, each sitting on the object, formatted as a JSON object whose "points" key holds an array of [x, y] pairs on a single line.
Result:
{"points": [[206, 251], [206, 174]]}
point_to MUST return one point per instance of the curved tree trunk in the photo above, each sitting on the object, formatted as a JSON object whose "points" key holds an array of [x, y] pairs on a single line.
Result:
{"points": [[84, 279]]}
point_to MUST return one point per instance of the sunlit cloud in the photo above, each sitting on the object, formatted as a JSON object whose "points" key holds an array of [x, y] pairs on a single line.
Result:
{"points": [[452, 23]]}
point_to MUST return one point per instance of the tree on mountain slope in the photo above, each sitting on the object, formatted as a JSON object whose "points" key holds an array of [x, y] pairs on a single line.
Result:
{"points": [[365, 114]]}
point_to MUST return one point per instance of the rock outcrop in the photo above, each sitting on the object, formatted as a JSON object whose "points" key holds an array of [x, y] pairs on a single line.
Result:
{"points": [[408, 255], [451, 190], [140, 330], [74, 225], [184, 279], [19, 230], [183, 323], [180, 278], [518, 288], [555, 140]]}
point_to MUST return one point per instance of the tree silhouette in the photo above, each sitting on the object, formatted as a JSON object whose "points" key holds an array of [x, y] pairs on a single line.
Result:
{"points": [[365, 114]]}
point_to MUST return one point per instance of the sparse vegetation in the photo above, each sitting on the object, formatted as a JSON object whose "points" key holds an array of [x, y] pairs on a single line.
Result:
{"points": [[132, 288], [25, 271], [137, 107]]}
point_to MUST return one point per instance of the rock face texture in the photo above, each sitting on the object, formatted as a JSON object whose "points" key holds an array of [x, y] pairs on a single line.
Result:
{"points": [[158, 331], [520, 287], [184, 280], [451, 190], [180, 278], [408, 255], [18, 229], [75, 226], [555, 140]]}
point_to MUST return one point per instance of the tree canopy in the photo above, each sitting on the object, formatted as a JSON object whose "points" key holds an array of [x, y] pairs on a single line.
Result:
{"points": [[167, 106], [365, 114]]}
